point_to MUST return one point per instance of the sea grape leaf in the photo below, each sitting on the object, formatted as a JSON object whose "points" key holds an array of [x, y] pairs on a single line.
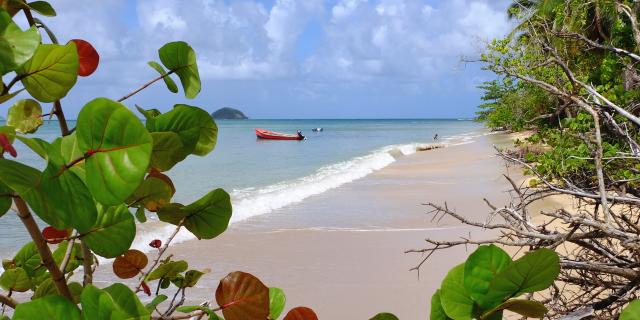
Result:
{"points": [[148, 113], [75, 259], [129, 264], [68, 198], [386, 316], [196, 128], [46, 288], [140, 215], [55, 236], [631, 311], [43, 8], [171, 85], [301, 313], [49, 307], [98, 304], [167, 151], [51, 72], [12, 6], [155, 302], [242, 296], [88, 57], [192, 277], [179, 57], [119, 149], [5, 198], [15, 279], [437, 312], [535, 271], [9, 96], [153, 193], [277, 301], [37, 145], [526, 308], [29, 259], [127, 302], [112, 233], [455, 299], [481, 268], [168, 270], [206, 218], [25, 116], [8, 132], [16, 46]]}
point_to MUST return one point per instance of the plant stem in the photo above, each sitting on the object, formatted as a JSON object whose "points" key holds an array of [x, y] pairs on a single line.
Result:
{"points": [[67, 254], [57, 110], [160, 253], [43, 249], [87, 263], [6, 300], [146, 85]]}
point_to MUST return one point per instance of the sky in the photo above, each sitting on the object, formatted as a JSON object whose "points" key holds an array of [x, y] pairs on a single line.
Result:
{"points": [[292, 59]]}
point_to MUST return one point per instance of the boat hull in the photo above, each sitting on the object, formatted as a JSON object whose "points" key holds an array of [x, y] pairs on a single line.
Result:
{"points": [[271, 135]]}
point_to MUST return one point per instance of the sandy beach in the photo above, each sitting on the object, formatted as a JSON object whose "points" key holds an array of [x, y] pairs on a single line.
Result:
{"points": [[342, 252]]}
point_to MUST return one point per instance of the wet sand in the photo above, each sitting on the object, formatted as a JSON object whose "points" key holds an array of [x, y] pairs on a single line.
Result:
{"points": [[342, 252]]}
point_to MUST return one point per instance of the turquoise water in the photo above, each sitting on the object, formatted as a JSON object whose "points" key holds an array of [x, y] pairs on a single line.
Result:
{"points": [[263, 176]]}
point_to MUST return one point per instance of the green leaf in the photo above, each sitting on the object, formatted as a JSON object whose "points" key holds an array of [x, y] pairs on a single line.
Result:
{"points": [[167, 79], [437, 313], [120, 149], [385, 316], [180, 58], [168, 150], [43, 8], [155, 302], [9, 96], [5, 199], [25, 116], [49, 307], [206, 218], [533, 272], [37, 145], [140, 215], [631, 311], [455, 299], [148, 113], [51, 72], [98, 304], [277, 300], [168, 270], [153, 193], [46, 288], [481, 268], [68, 201], [15, 279], [196, 128], [29, 259], [192, 277], [75, 259], [113, 232], [526, 308], [16, 46], [127, 302]]}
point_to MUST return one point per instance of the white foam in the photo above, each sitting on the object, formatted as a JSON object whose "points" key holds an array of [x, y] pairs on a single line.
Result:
{"points": [[251, 202]]}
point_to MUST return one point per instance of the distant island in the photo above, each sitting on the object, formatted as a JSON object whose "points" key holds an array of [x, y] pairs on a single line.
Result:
{"points": [[229, 113]]}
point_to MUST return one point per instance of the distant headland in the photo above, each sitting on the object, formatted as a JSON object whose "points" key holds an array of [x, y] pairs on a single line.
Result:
{"points": [[229, 113]]}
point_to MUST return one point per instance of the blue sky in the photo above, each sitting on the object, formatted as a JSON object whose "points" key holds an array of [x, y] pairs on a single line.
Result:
{"points": [[293, 58]]}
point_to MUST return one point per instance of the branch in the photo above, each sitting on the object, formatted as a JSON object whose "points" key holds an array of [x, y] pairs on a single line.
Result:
{"points": [[146, 85], [6, 300], [43, 249], [160, 253]]}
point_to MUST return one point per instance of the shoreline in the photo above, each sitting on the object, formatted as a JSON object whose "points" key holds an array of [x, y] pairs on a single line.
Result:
{"points": [[341, 252]]}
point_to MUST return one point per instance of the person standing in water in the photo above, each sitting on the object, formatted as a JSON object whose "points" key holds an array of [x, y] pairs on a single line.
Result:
{"points": [[435, 138]]}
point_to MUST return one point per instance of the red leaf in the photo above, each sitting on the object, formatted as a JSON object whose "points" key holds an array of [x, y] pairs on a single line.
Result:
{"points": [[89, 57], [129, 264], [301, 313], [243, 296], [5, 144], [155, 244], [146, 288], [53, 235]]}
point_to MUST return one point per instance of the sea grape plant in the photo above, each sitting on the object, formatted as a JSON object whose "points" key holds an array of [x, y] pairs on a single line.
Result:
{"points": [[489, 282], [97, 177]]}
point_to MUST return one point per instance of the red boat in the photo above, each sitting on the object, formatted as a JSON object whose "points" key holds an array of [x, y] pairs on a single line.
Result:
{"points": [[271, 135]]}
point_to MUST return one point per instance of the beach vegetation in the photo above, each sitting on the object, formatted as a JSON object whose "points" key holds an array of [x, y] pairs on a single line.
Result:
{"points": [[101, 176], [568, 74]]}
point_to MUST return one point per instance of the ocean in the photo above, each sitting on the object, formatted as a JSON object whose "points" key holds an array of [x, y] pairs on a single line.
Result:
{"points": [[263, 176]]}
